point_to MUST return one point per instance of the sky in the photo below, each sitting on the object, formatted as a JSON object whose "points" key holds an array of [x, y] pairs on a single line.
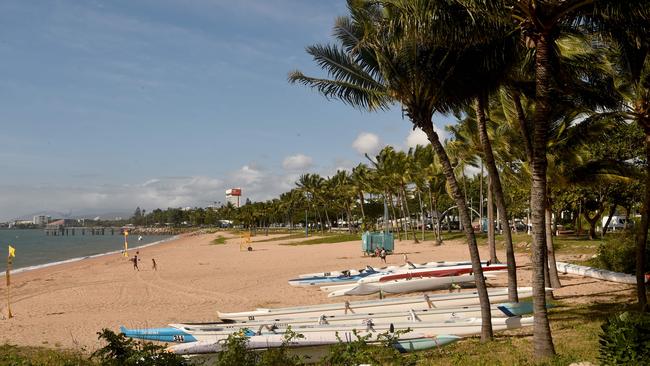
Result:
{"points": [[109, 105]]}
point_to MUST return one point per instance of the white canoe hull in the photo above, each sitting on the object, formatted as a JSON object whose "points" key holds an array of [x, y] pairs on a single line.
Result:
{"points": [[267, 341], [385, 269], [402, 286], [601, 274], [410, 316], [375, 306], [459, 327]]}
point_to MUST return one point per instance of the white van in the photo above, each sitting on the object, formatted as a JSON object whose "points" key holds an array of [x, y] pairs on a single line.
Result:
{"points": [[617, 223]]}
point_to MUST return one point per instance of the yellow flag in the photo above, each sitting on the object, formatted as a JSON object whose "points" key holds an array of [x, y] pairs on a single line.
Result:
{"points": [[12, 252]]}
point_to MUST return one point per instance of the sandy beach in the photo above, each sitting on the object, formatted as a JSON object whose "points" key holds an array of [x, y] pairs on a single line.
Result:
{"points": [[66, 305]]}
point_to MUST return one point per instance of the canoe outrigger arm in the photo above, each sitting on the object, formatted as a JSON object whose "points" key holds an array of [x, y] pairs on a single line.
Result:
{"points": [[270, 327], [414, 317], [429, 302]]}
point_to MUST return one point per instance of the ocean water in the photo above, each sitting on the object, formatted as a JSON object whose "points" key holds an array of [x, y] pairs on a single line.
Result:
{"points": [[35, 249]]}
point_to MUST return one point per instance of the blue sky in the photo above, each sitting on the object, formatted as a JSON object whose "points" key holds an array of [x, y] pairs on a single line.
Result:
{"points": [[108, 105]]}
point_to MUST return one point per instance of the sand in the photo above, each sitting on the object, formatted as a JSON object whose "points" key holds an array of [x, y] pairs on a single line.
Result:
{"points": [[66, 305]]}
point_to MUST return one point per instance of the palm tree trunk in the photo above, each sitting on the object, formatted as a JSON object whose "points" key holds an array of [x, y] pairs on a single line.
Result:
{"points": [[392, 208], [490, 224], [320, 221], [542, 338], [421, 213], [434, 208], [497, 191], [554, 278], [612, 210], [349, 214], [327, 217], [363, 214], [521, 118], [402, 213], [408, 214], [486, 316], [642, 233]]}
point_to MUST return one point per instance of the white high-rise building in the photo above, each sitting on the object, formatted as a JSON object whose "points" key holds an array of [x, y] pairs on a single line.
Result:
{"points": [[233, 195], [40, 220]]}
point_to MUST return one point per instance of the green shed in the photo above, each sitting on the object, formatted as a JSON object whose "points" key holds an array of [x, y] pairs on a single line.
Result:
{"points": [[372, 240]]}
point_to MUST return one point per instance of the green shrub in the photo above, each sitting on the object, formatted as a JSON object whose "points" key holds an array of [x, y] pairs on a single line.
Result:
{"points": [[617, 253], [626, 340], [123, 351], [236, 353], [360, 352], [11, 355]]}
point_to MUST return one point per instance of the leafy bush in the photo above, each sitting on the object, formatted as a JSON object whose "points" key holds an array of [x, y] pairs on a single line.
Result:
{"points": [[123, 351], [617, 253], [626, 340], [360, 352], [236, 353]]}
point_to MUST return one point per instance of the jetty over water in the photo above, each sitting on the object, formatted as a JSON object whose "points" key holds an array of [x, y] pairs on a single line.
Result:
{"points": [[66, 227]]}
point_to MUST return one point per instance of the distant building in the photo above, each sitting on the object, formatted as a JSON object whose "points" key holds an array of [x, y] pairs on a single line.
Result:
{"points": [[61, 223], [41, 220], [233, 195]]}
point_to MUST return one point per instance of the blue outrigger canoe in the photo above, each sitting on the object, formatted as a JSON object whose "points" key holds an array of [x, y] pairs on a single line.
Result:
{"points": [[322, 280]]}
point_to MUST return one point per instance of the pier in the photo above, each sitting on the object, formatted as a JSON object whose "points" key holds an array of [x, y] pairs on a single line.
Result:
{"points": [[63, 231]]}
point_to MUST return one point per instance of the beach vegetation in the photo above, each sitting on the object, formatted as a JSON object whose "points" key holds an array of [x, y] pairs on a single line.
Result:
{"points": [[625, 339], [120, 350], [328, 239], [11, 355], [220, 239]]}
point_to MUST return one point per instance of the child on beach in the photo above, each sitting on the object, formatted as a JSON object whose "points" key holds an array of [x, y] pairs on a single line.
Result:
{"points": [[382, 255], [135, 261], [153, 261]]}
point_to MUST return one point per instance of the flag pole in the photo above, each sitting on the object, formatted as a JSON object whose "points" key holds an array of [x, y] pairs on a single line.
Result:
{"points": [[9, 262], [126, 244]]}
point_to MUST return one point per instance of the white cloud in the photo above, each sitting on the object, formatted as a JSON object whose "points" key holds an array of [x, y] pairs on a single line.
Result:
{"points": [[297, 162], [367, 143], [418, 137]]}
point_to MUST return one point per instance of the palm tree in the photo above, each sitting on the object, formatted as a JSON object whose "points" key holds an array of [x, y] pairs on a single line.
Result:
{"points": [[391, 52], [627, 29]]}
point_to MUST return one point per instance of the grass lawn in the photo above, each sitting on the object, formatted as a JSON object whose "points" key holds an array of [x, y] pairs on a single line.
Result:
{"points": [[219, 240], [328, 238]]}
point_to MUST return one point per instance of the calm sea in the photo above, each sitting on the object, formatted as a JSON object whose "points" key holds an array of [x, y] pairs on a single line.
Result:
{"points": [[34, 248]]}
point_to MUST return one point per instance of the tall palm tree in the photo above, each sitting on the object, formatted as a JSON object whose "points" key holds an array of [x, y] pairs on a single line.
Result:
{"points": [[628, 31], [391, 52]]}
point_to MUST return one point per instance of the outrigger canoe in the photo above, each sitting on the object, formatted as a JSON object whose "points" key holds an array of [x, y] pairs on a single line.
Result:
{"points": [[183, 332], [426, 301], [406, 342]]}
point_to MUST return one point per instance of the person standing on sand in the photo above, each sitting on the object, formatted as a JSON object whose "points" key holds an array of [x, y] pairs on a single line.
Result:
{"points": [[382, 255], [376, 251], [135, 261], [153, 261]]}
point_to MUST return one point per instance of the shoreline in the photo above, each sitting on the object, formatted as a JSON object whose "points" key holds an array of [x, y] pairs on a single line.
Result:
{"points": [[15, 271]]}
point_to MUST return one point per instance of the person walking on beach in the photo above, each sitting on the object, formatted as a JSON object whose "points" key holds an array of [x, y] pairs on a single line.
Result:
{"points": [[135, 261], [382, 255], [153, 261], [376, 251]]}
